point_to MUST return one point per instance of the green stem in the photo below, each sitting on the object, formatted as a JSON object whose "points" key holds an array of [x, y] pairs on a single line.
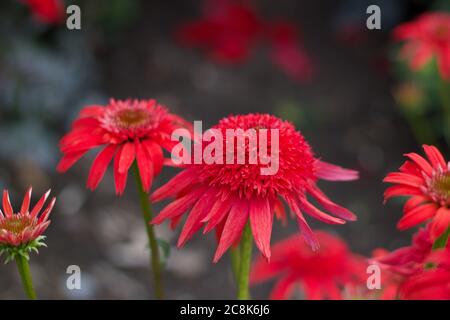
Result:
{"points": [[444, 90], [441, 242], [244, 265], [235, 257], [25, 275], [154, 248]]}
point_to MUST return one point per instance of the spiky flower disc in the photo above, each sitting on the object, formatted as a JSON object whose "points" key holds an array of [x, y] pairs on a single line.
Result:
{"points": [[21, 232]]}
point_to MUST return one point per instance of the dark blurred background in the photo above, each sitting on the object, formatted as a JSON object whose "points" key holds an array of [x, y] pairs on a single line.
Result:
{"points": [[126, 48]]}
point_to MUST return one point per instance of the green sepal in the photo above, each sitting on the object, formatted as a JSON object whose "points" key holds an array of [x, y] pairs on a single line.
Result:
{"points": [[23, 250]]}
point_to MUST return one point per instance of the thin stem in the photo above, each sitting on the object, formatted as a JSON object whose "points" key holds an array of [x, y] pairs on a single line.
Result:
{"points": [[154, 248], [444, 90], [244, 265], [441, 242], [25, 275]]}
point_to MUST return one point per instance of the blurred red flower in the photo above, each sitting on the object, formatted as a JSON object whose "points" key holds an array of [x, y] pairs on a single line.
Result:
{"points": [[47, 11], [433, 283], [229, 30], [127, 131], [25, 226], [225, 196], [426, 37], [427, 183], [323, 274]]}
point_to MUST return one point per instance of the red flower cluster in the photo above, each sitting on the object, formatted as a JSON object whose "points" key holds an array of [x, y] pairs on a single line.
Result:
{"points": [[426, 37], [427, 182], [229, 30], [127, 131], [413, 272], [324, 274], [225, 197], [47, 11]]}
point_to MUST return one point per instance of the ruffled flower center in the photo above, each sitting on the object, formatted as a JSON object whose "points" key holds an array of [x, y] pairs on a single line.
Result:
{"points": [[17, 223]]}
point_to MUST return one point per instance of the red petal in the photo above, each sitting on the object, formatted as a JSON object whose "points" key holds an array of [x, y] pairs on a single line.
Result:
{"points": [[182, 180], [156, 155], [194, 220], [179, 206], [329, 205], [100, 165], [46, 213], [145, 166], [261, 219], [421, 162], [7, 204], [68, 160], [435, 156], [417, 216], [26, 202], [126, 157], [233, 228], [331, 172], [404, 179], [440, 223], [39, 204], [396, 191], [283, 288], [120, 179], [318, 214], [217, 213]]}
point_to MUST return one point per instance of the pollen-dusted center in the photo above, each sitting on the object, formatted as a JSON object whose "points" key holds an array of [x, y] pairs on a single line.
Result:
{"points": [[440, 186], [17, 223], [132, 118]]}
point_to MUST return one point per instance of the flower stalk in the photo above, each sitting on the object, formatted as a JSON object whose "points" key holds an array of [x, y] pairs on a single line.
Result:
{"points": [[244, 264], [155, 259], [25, 276]]}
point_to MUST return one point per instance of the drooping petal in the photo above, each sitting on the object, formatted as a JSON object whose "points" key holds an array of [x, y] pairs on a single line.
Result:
{"points": [[316, 213], [69, 159], [198, 212], [396, 191], [329, 205], [179, 206], [120, 179], [145, 166], [218, 212], [156, 155], [126, 157], [261, 219], [413, 202], [100, 165], [237, 218], [331, 172], [175, 185]]}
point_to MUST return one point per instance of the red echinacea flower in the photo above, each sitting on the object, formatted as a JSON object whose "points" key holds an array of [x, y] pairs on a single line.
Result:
{"points": [[126, 131], [47, 11], [21, 232], [224, 197], [426, 37], [324, 274], [433, 283], [229, 30], [427, 183]]}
